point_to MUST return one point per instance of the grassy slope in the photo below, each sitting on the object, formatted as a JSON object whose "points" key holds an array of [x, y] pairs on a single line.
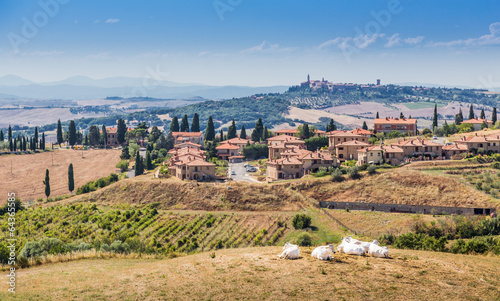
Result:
{"points": [[257, 274]]}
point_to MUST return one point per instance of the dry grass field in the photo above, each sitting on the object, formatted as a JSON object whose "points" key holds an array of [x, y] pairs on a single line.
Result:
{"points": [[28, 171], [312, 116], [258, 274]]}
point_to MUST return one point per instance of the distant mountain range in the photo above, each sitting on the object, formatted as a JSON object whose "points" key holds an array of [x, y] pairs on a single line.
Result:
{"points": [[81, 87]]}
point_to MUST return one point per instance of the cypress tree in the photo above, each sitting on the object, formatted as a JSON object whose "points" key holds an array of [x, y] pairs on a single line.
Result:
{"points": [[185, 123], [494, 115], [35, 138], [139, 164], [86, 141], [221, 134], [42, 145], [125, 153], [377, 116], [10, 132], [459, 117], [258, 130], [174, 125], [59, 133], [471, 112], [72, 133], [243, 133], [482, 114], [231, 133], [47, 183], [195, 125], [149, 163], [210, 130], [364, 127], [11, 147], [104, 136], [169, 142], [331, 126], [14, 142], [401, 116], [435, 117], [1, 136], [71, 179], [304, 132], [121, 130], [265, 134]]}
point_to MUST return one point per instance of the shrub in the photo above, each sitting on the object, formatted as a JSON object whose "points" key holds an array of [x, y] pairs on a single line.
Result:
{"points": [[372, 170], [105, 248], [122, 165], [119, 247], [301, 221], [353, 172], [496, 165], [304, 239], [337, 176]]}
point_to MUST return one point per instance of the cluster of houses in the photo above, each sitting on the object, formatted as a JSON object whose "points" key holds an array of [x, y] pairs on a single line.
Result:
{"points": [[290, 159]]}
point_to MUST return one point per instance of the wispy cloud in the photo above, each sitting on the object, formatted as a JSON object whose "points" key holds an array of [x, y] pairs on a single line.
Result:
{"points": [[493, 38], [112, 20], [361, 41], [393, 40], [268, 47], [96, 21], [42, 53], [414, 41]]}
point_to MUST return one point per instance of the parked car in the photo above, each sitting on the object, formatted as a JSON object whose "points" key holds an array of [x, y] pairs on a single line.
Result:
{"points": [[434, 137], [233, 172]]}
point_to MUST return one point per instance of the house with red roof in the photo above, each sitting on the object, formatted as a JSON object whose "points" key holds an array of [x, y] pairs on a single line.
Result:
{"points": [[406, 126], [478, 122], [193, 137]]}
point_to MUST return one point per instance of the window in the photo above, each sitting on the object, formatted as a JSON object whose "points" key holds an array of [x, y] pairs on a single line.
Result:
{"points": [[341, 148], [379, 154], [371, 154]]}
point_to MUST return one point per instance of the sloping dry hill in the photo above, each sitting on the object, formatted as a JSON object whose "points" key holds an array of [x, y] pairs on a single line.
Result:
{"points": [[402, 186], [258, 274]]}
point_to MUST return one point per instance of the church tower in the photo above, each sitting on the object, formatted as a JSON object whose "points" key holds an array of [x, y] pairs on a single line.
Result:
{"points": [[308, 79]]}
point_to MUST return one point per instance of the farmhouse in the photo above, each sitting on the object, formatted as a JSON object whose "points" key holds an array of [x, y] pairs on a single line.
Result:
{"points": [[241, 143], [380, 154], [349, 150], [481, 143], [420, 147], [194, 137], [454, 151], [226, 150], [478, 122], [188, 163], [112, 139], [293, 167], [279, 144], [338, 137], [406, 126]]}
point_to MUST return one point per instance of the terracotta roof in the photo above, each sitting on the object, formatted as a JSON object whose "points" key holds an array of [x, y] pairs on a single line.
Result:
{"points": [[395, 121], [392, 149], [186, 134], [199, 162], [347, 134], [359, 131], [295, 151], [478, 121], [417, 142], [283, 138], [494, 137], [353, 142], [459, 147], [287, 131], [334, 132], [188, 143], [316, 156], [472, 139], [227, 146], [288, 161], [236, 140]]}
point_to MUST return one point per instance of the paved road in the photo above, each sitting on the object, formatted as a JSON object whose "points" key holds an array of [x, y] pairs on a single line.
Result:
{"points": [[241, 173]]}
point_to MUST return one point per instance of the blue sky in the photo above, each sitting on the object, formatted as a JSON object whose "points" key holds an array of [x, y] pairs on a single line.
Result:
{"points": [[254, 42]]}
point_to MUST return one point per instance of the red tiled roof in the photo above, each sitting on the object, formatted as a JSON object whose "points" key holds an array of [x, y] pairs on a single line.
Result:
{"points": [[287, 131], [359, 131], [236, 140], [478, 121], [199, 162], [353, 142], [227, 146], [186, 134], [417, 142], [459, 147], [395, 121]]}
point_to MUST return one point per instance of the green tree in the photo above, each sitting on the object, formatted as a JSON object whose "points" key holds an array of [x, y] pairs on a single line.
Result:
{"points": [[401, 116], [210, 130], [315, 143], [139, 164], [154, 135], [482, 114], [471, 112], [231, 133], [265, 134], [364, 127], [465, 128], [125, 153], [42, 144], [121, 130], [484, 125], [36, 137], [243, 133], [1, 136], [435, 117], [377, 116], [221, 134], [494, 115], [9, 133], [104, 136], [258, 130], [149, 163], [94, 136], [195, 125], [331, 126], [47, 183], [304, 131], [59, 133], [170, 141], [71, 179], [174, 125], [459, 118], [72, 133], [185, 123]]}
